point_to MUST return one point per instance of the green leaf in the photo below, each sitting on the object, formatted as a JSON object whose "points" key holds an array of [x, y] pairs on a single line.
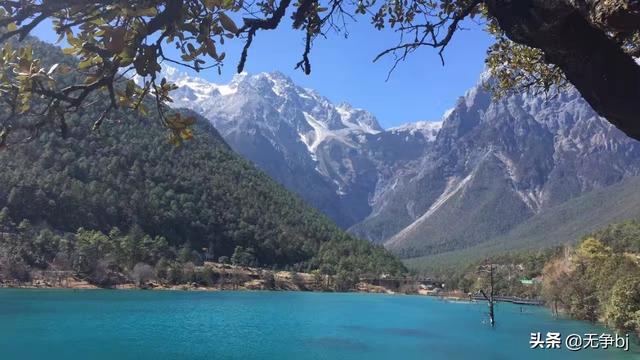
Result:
{"points": [[69, 51], [186, 134], [151, 11], [85, 64], [227, 23], [211, 4]]}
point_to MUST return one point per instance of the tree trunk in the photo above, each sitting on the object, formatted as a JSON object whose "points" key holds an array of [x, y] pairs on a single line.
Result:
{"points": [[492, 319], [607, 77], [491, 298]]}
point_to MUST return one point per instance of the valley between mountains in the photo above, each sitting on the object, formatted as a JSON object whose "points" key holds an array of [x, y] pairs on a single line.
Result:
{"points": [[524, 171]]}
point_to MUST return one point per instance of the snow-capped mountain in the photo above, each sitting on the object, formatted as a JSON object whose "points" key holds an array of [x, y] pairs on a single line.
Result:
{"points": [[334, 156], [424, 187], [429, 129]]}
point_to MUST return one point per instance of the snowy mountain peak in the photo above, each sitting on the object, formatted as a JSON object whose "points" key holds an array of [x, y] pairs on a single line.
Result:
{"points": [[488, 165], [429, 129], [277, 76], [300, 137], [294, 104], [239, 77], [195, 89]]}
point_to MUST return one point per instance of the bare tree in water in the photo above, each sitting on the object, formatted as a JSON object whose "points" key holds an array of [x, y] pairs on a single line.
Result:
{"points": [[488, 269]]}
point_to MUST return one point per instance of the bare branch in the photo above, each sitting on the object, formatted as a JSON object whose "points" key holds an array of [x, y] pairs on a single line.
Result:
{"points": [[428, 34], [252, 25]]}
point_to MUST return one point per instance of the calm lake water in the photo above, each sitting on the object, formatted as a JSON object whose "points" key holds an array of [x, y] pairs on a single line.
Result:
{"points": [[103, 324]]}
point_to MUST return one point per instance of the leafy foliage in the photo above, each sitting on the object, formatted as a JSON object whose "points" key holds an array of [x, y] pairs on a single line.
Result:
{"points": [[516, 68], [621, 237], [109, 199], [509, 269], [622, 311], [599, 280], [114, 40], [110, 39]]}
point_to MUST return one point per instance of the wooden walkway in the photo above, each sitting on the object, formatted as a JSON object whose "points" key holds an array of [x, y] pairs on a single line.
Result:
{"points": [[512, 299]]}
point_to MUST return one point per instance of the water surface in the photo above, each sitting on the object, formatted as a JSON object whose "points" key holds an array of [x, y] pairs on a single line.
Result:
{"points": [[104, 324]]}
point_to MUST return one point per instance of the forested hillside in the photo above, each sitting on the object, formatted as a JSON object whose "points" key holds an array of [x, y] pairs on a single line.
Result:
{"points": [[596, 280], [600, 280], [123, 195]]}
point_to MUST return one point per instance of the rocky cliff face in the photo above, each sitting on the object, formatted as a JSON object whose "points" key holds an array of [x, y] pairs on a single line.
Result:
{"points": [[425, 187], [334, 156], [495, 164]]}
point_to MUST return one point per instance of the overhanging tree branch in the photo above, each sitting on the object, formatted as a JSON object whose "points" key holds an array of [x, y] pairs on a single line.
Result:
{"points": [[606, 76], [428, 34], [252, 25]]}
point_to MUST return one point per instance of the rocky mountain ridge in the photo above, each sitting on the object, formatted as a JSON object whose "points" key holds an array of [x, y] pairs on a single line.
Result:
{"points": [[335, 156], [426, 187]]}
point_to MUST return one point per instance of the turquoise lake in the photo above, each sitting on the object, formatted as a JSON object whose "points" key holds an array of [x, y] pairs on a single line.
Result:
{"points": [[105, 324]]}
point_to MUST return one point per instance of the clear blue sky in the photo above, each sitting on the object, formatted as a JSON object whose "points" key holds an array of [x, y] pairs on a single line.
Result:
{"points": [[343, 69]]}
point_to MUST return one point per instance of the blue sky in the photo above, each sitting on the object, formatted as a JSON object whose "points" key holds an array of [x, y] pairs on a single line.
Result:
{"points": [[343, 69]]}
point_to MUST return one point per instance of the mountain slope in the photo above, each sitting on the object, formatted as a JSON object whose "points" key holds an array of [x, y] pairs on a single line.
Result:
{"points": [[493, 165], [335, 156], [128, 176], [562, 224], [422, 188]]}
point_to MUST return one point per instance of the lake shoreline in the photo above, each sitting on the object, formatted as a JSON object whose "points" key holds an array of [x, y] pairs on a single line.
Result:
{"points": [[222, 277], [362, 287], [185, 287]]}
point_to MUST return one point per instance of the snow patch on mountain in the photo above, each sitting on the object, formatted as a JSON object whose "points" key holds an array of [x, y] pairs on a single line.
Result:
{"points": [[199, 87], [429, 129], [327, 121], [335, 155], [318, 135]]}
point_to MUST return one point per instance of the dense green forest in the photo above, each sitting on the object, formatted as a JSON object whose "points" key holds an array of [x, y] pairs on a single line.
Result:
{"points": [[123, 195], [597, 280], [510, 268]]}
